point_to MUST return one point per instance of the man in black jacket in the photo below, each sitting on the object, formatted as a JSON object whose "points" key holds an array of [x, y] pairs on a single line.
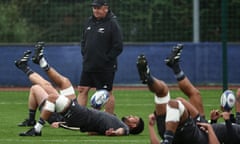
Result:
{"points": [[100, 46]]}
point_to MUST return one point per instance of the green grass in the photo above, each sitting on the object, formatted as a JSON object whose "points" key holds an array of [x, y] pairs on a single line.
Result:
{"points": [[13, 109]]}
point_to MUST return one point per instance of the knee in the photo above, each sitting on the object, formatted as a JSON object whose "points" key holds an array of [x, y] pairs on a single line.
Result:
{"points": [[65, 83], [52, 97], [83, 90], [173, 104], [35, 87], [175, 107]]}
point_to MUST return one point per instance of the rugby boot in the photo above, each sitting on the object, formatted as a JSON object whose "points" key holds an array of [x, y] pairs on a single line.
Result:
{"points": [[22, 63], [174, 57], [38, 52], [143, 68], [31, 132], [27, 122]]}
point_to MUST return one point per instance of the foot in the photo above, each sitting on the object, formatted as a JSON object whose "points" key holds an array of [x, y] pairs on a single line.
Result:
{"points": [[23, 62], [174, 57], [143, 69], [27, 122], [30, 132], [38, 52]]}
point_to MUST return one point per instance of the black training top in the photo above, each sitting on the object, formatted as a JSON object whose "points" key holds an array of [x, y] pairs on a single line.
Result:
{"points": [[101, 44], [227, 133], [186, 133], [91, 120]]}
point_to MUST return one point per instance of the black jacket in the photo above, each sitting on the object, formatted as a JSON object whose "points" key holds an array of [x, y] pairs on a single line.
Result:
{"points": [[101, 44]]}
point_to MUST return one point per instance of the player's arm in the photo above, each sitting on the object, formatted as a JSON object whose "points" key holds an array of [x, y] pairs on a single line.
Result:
{"points": [[212, 138], [153, 137], [214, 116], [117, 132], [232, 135]]}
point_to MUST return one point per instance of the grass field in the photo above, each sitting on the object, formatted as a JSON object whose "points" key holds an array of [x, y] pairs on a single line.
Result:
{"points": [[13, 107]]}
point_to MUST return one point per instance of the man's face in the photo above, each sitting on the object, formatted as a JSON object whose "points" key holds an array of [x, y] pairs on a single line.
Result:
{"points": [[131, 121], [100, 12]]}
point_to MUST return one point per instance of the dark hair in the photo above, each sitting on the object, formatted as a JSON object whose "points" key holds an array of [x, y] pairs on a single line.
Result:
{"points": [[139, 128]]}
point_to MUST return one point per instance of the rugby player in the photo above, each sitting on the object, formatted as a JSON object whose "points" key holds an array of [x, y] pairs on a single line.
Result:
{"points": [[176, 121], [88, 120]]}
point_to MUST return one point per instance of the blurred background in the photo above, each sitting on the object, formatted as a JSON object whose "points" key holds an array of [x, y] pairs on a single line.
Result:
{"points": [[141, 20], [210, 31]]}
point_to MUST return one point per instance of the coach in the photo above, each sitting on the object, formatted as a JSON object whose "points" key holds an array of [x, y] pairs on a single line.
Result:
{"points": [[101, 44]]}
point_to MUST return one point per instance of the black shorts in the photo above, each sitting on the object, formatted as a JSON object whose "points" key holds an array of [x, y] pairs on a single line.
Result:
{"points": [[98, 80]]}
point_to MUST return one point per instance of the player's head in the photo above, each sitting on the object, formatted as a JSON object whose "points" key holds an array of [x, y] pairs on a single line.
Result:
{"points": [[135, 124], [100, 8]]}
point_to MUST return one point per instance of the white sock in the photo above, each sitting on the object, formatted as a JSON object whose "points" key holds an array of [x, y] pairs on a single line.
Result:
{"points": [[43, 62], [38, 127]]}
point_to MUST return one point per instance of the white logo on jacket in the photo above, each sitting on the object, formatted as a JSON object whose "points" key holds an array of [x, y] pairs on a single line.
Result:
{"points": [[101, 30]]}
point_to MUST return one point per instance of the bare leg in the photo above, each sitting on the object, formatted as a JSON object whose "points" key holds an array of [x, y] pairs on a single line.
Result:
{"points": [[83, 95], [156, 86], [35, 78], [193, 94], [36, 97], [238, 100], [110, 105], [172, 61], [238, 106], [161, 90]]}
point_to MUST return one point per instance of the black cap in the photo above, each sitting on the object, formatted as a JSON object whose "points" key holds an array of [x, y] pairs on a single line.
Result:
{"points": [[99, 3]]}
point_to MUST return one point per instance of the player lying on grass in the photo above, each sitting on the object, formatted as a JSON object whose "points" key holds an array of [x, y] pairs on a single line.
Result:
{"points": [[37, 96], [36, 100], [88, 120], [172, 116], [194, 95]]}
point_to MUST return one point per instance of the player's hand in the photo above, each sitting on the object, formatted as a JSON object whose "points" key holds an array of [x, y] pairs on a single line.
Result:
{"points": [[215, 114], [151, 119], [110, 132], [204, 126], [225, 115], [56, 124]]}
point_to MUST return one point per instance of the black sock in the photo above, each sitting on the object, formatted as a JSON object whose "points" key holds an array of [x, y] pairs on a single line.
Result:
{"points": [[150, 80], [176, 68], [168, 137], [32, 114], [27, 70], [180, 76]]}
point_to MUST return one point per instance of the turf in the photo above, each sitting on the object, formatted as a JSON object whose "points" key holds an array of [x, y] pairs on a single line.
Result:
{"points": [[13, 106]]}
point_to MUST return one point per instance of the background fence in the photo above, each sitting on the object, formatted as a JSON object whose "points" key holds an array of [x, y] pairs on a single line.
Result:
{"points": [[24, 21], [144, 23]]}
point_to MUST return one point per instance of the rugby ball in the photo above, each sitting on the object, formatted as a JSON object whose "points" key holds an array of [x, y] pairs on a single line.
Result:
{"points": [[227, 100], [99, 98]]}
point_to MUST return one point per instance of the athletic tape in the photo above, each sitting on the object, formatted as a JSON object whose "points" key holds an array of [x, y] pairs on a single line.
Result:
{"points": [[49, 106], [172, 115], [162, 100], [68, 91], [61, 103]]}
